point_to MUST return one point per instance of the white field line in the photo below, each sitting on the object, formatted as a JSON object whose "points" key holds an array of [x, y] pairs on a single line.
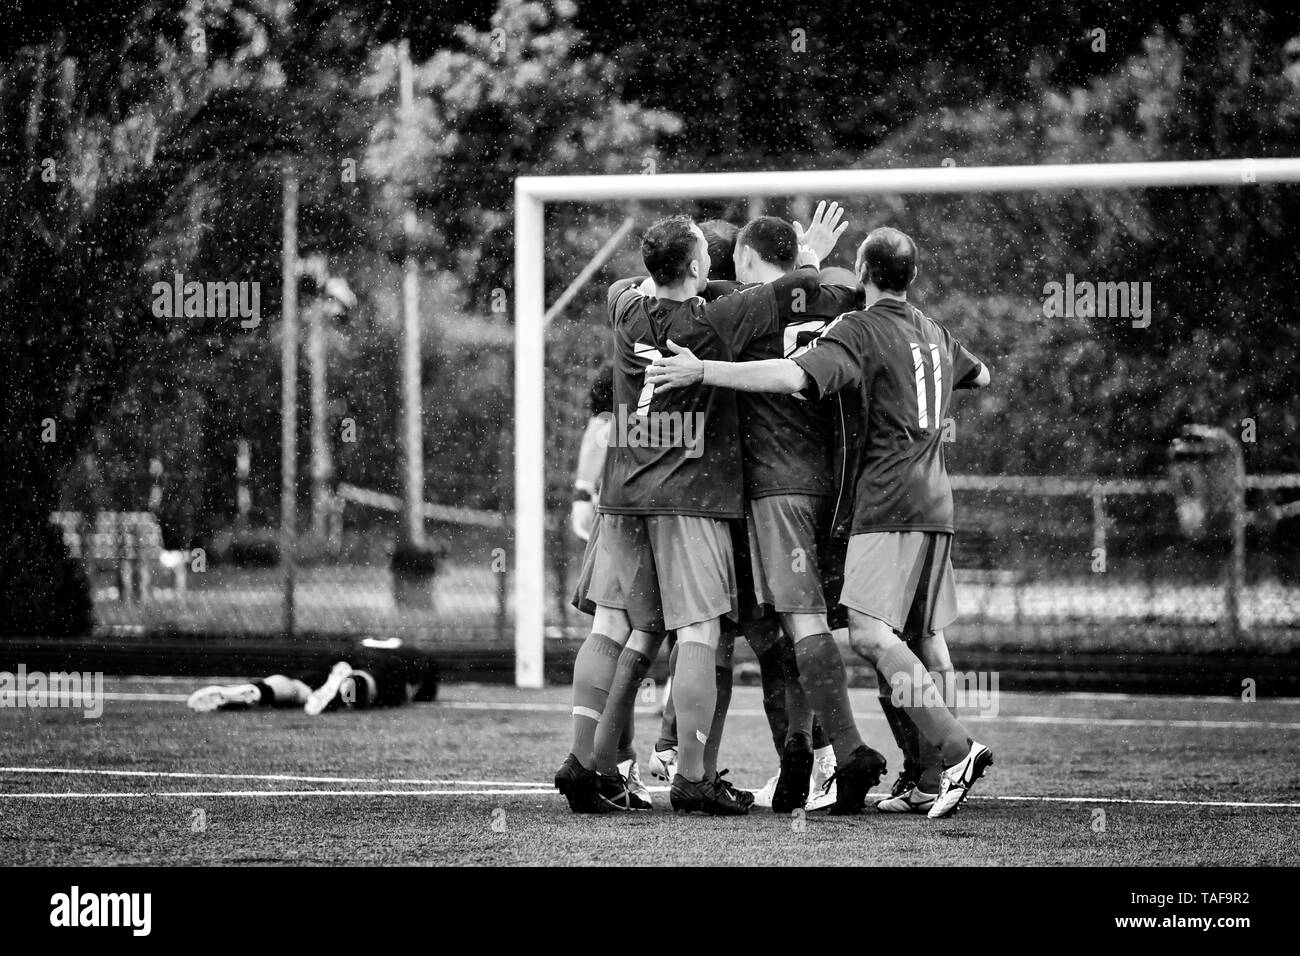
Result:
{"points": [[1005, 695], [548, 791], [965, 713], [277, 777], [196, 794]]}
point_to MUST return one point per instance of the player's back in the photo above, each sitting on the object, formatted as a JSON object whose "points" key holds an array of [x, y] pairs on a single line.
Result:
{"points": [[788, 441], [911, 364], [677, 451]]}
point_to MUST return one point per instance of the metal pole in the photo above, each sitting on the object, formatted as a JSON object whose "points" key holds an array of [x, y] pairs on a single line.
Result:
{"points": [[289, 394], [412, 528], [322, 466], [590, 269], [850, 182], [1236, 578], [1099, 519], [530, 430]]}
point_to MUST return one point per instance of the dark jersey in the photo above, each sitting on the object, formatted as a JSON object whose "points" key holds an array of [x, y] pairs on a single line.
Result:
{"points": [[787, 441], [904, 367], [677, 451]]}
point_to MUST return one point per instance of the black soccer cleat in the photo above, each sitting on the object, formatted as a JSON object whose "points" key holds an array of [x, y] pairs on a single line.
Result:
{"points": [[743, 797], [854, 780], [614, 792], [706, 796], [580, 786], [905, 782], [791, 792]]}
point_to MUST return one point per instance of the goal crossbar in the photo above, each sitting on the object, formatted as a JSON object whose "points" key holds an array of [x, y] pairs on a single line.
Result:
{"points": [[532, 193]]}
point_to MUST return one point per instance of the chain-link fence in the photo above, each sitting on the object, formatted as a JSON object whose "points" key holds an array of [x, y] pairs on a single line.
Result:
{"points": [[1076, 563], [1107, 563]]}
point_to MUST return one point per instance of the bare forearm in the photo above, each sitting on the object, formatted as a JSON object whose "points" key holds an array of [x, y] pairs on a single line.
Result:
{"points": [[591, 454], [769, 375]]}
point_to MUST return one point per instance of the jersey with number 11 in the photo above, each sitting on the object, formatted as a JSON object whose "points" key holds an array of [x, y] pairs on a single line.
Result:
{"points": [[904, 366]]}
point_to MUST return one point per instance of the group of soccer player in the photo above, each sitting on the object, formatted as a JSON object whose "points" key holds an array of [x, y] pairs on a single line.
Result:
{"points": [[774, 461]]}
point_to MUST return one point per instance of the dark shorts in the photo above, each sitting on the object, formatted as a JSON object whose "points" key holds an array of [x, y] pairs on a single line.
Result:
{"points": [[903, 578], [784, 531], [681, 563]]}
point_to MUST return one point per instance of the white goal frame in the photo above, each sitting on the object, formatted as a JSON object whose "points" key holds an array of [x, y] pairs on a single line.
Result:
{"points": [[532, 193]]}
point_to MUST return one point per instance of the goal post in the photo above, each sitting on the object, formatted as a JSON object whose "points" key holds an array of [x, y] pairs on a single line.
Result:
{"points": [[532, 193]]}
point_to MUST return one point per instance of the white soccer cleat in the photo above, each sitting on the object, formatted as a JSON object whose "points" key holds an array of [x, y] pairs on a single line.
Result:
{"points": [[663, 764], [957, 780], [763, 795], [636, 787], [914, 801], [819, 798], [218, 696], [320, 698]]}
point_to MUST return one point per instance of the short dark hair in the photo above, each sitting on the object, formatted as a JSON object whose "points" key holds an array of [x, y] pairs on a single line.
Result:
{"points": [[721, 237], [772, 238], [668, 248], [890, 256]]}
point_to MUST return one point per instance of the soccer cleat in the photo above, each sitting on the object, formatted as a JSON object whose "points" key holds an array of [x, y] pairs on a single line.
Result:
{"points": [[224, 697], [614, 792], [323, 695], [821, 789], [663, 764], [743, 797], [795, 778], [580, 786], [763, 795], [854, 780], [706, 796], [904, 784], [957, 780], [915, 800], [631, 772]]}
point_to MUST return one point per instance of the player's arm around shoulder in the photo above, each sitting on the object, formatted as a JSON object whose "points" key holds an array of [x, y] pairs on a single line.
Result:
{"points": [[683, 369]]}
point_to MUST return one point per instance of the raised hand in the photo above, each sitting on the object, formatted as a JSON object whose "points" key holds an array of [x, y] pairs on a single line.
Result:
{"points": [[824, 230]]}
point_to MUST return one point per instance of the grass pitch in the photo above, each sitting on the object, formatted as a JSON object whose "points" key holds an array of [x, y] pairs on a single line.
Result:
{"points": [[1079, 779]]}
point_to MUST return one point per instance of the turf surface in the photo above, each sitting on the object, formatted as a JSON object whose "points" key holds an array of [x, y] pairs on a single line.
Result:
{"points": [[466, 781]]}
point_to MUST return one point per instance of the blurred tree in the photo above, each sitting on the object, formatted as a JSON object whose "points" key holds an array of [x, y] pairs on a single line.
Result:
{"points": [[1096, 395]]}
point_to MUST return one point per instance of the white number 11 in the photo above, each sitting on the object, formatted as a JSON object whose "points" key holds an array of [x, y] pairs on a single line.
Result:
{"points": [[918, 366]]}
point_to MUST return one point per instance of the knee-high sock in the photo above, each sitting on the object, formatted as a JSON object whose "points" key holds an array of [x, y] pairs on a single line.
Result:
{"points": [[593, 672], [668, 724], [696, 688], [901, 726], [923, 702], [929, 759], [797, 705], [771, 670], [631, 667], [723, 679], [627, 739], [821, 671]]}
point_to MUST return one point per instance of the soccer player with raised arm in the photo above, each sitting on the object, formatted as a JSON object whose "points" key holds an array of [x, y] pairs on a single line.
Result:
{"points": [[672, 483], [791, 493], [898, 571]]}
